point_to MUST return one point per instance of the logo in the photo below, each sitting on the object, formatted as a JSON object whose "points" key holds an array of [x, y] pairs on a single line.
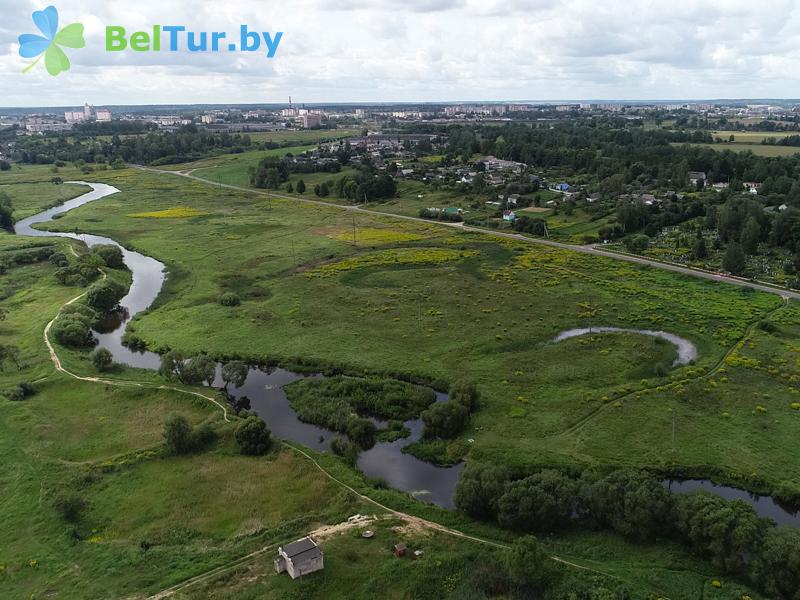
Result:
{"points": [[50, 42], [176, 39]]}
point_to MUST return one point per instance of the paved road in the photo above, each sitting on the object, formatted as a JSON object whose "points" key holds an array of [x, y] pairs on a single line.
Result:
{"points": [[591, 249]]}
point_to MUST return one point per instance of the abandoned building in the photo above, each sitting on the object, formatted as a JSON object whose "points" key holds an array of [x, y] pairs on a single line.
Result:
{"points": [[299, 558]]}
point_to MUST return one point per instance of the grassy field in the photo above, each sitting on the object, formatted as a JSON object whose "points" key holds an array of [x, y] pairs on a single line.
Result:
{"points": [[460, 306], [233, 168], [31, 198], [149, 519], [572, 227], [488, 317]]}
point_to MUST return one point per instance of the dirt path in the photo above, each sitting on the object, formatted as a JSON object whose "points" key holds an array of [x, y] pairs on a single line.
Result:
{"points": [[323, 532], [115, 382]]}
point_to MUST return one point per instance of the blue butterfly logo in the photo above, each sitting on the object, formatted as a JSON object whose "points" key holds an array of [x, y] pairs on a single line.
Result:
{"points": [[50, 42]]}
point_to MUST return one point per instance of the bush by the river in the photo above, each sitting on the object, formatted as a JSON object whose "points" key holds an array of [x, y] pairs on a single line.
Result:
{"points": [[344, 404]]}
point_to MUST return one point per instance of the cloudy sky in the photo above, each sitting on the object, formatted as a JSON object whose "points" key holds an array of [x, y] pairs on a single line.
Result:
{"points": [[420, 50]]}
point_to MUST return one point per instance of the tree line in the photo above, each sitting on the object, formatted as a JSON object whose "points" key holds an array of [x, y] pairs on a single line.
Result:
{"points": [[637, 506]]}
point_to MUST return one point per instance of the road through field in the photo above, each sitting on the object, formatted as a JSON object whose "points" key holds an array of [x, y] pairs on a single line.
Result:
{"points": [[590, 249]]}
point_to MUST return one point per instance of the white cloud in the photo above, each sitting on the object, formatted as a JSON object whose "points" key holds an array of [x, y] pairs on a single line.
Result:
{"points": [[415, 50]]}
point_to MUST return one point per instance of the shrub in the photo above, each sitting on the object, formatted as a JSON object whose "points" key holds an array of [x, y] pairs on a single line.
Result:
{"points": [[767, 326], [445, 419], [544, 501], [102, 359], [21, 391], [636, 243], [631, 503], [235, 373], [178, 434], [203, 436], [72, 330], [59, 259], [529, 567], [776, 564], [70, 507], [479, 488], [111, 255], [723, 531], [253, 437], [229, 299], [466, 394], [104, 296], [362, 432], [192, 371]]}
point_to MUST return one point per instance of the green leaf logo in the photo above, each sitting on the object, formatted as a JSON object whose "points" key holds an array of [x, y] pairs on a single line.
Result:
{"points": [[50, 42]]}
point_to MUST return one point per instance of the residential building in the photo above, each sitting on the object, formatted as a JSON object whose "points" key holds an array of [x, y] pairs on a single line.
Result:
{"points": [[695, 176], [39, 125], [76, 116], [299, 558], [310, 120]]}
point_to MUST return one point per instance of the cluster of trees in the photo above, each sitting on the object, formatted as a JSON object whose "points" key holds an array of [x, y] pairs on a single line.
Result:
{"points": [[365, 186], [86, 267], [445, 420], [184, 145], [272, 171], [636, 505], [345, 404], [440, 215], [73, 327], [196, 370]]}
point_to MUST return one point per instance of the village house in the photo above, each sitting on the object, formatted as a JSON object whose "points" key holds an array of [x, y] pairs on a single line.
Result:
{"points": [[752, 186], [493, 163], [299, 558], [695, 176], [508, 215]]}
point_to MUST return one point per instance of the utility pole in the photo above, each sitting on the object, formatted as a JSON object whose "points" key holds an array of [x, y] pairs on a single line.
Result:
{"points": [[354, 230], [673, 431]]}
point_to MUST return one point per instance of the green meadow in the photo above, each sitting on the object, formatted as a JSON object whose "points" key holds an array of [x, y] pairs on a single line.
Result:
{"points": [[408, 297], [488, 313]]}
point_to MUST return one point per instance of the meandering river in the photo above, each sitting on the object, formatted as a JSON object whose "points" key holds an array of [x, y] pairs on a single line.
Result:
{"points": [[687, 352], [264, 387]]}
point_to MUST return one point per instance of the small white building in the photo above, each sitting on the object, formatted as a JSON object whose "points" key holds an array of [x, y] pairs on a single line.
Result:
{"points": [[299, 558], [752, 186]]}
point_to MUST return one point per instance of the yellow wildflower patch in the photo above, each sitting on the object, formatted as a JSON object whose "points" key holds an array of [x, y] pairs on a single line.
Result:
{"points": [[177, 212], [390, 258], [373, 236]]}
